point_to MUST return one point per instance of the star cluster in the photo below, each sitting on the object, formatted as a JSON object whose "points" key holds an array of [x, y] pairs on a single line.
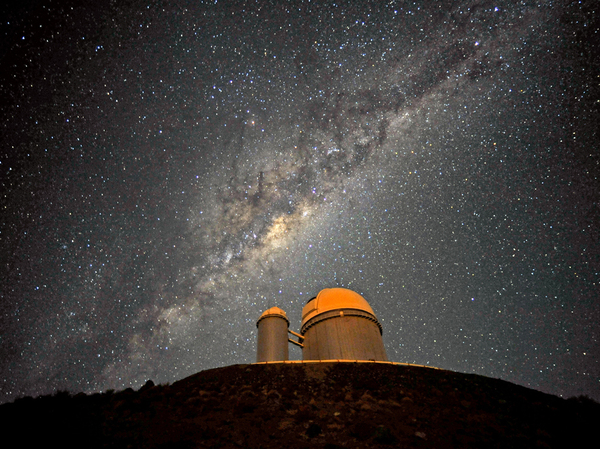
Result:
{"points": [[169, 170]]}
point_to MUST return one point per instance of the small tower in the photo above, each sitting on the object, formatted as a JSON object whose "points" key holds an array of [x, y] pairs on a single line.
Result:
{"points": [[339, 324], [272, 336]]}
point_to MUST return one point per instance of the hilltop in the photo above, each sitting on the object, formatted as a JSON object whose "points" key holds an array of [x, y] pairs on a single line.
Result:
{"points": [[329, 405]]}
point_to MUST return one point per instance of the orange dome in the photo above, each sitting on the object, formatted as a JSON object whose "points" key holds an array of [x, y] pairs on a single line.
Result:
{"points": [[273, 311], [334, 299]]}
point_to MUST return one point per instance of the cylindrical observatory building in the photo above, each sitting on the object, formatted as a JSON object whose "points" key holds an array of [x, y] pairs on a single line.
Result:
{"points": [[272, 336], [337, 324], [340, 324]]}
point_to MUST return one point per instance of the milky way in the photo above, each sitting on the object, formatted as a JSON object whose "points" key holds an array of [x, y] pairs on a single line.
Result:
{"points": [[170, 170]]}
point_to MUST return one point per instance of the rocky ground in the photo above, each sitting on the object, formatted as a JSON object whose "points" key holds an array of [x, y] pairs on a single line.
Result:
{"points": [[330, 405]]}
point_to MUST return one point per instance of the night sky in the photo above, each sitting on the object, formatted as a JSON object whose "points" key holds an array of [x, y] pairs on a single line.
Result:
{"points": [[169, 170]]}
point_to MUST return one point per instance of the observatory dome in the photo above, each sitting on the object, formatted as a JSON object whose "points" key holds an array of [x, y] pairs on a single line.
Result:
{"points": [[331, 299], [273, 312], [339, 324]]}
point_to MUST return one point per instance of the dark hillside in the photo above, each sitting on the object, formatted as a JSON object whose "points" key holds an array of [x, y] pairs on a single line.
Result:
{"points": [[331, 405]]}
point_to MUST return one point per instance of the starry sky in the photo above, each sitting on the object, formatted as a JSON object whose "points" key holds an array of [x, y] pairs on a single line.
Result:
{"points": [[171, 169]]}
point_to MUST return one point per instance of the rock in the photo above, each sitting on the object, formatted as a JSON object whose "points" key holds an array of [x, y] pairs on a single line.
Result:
{"points": [[383, 435], [367, 397], [149, 384], [313, 430]]}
